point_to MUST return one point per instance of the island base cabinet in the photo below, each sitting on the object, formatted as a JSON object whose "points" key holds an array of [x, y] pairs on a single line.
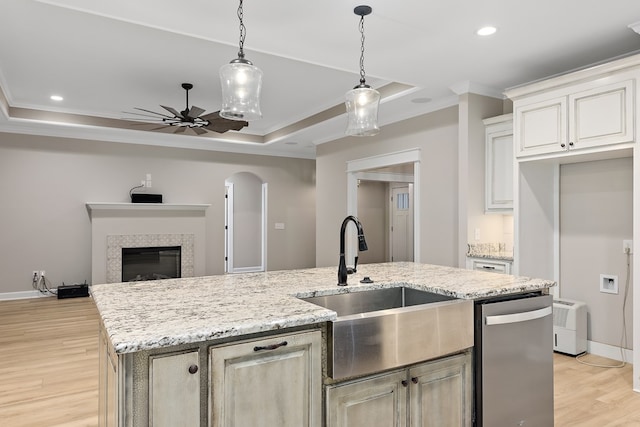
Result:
{"points": [[373, 402], [108, 383], [174, 390], [432, 394], [441, 393], [270, 382]]}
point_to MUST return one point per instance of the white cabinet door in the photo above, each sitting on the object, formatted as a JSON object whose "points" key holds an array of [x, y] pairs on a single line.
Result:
{"points": [[269, 382], [174, 390], [601, 116], [379, 401], [541, 127], [499, 164], [441, 393]]}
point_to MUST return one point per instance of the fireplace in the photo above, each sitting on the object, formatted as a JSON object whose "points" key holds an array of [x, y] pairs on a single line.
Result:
{"points": [[115, 226], [150, 263], [181, 266]]}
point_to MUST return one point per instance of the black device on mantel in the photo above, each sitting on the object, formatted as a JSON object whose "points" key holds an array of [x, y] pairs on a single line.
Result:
{"points": [[146, 198], [73, 291]]}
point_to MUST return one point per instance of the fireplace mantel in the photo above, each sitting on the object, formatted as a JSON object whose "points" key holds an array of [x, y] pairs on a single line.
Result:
{"points": [[103, 208]]}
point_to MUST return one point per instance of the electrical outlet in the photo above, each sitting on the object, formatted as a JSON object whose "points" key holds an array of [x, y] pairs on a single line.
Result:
{"points": [[35, 276], [42, 273], [627, 244]]}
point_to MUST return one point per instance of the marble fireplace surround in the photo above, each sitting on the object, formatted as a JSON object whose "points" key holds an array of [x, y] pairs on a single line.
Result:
{"points": [[132, 225], [115, 244]]}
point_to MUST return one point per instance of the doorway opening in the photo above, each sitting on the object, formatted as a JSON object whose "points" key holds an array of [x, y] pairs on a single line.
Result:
{"points": [[398, 170]]}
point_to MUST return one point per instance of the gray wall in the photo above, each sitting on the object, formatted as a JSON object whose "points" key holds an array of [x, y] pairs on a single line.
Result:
{"points": [[45, 183], [436, 134], [595, 216]]}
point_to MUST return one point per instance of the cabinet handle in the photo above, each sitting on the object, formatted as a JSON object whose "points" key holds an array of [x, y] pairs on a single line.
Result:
{"points": [[404, 383], [562, 145], [488, 267], [193, 369], [270, 347], [571, 144], [414, 380]]}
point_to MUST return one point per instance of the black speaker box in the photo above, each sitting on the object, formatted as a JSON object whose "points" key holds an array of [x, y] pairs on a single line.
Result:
{"points": [[146, 198]]}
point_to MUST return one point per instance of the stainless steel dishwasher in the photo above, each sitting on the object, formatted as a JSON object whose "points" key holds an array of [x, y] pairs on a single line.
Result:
{"points": [[514, 361]]}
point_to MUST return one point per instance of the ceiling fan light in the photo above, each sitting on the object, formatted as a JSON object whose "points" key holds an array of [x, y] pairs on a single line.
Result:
{"points": [[241, 83], [362, 111]]}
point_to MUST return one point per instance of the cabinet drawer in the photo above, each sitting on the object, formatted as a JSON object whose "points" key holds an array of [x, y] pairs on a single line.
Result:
{"points": [[493, 266]]}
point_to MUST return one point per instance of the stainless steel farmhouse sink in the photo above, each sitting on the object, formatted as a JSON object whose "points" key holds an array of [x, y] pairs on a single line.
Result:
{"points": [[386, 328]]}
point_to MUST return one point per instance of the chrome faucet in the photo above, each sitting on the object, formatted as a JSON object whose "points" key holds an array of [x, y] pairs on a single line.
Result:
{"points": [[343, 271]]}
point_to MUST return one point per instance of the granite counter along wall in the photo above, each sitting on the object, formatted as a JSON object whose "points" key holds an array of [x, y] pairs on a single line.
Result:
{"points": [[490, 250]]}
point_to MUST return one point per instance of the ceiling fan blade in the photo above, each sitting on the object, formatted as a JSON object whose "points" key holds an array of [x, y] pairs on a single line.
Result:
{"points": [[199, 131], [194, 112], [152, 112], [172, 111], [221, 125], [159, 128], [212, 116], [141, 115]]}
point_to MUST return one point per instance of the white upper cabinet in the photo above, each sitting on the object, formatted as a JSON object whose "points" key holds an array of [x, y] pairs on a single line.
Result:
{"points": [[499, 164], [601, 115], [576, 117]]}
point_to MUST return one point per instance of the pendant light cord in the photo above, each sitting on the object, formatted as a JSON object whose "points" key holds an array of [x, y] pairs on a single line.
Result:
{"points": [[243, 30], [362, 79]]}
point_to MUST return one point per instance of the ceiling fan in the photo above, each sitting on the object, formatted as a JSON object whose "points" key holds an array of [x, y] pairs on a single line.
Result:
{"points": [[189, 118]]}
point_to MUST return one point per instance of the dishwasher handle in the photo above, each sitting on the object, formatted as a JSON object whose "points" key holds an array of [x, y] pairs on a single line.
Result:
{"points": [[518, 317]]}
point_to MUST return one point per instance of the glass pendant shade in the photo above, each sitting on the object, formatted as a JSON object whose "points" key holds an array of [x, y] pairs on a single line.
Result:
{"points": [[362, 111], [241, 84]]}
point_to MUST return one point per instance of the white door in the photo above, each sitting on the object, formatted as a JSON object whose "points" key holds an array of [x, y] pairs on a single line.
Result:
{"points": [[401, 229]]}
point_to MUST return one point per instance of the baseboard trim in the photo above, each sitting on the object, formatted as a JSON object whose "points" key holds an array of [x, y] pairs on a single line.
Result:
{"points": [[6, 296], [609, 351]]}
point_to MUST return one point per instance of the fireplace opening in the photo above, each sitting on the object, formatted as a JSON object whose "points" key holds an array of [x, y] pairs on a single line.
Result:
{"points": [[153, 263]]}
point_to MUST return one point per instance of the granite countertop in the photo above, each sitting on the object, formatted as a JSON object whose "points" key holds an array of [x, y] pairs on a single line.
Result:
{"points": [[146, 315], [495, 251]]}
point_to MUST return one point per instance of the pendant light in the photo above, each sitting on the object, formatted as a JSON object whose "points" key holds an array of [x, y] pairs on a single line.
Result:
{"points": [[241, 83], [362, 101]]}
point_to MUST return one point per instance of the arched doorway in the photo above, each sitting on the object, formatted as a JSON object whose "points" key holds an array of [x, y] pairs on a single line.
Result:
{"points": [[245, 223]]}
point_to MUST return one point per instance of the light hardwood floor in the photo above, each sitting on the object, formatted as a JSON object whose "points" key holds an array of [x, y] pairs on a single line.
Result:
{"points": [[49, 372]]}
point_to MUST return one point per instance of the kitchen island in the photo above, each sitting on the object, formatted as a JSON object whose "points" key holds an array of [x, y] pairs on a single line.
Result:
{"points": [[150, 329]]}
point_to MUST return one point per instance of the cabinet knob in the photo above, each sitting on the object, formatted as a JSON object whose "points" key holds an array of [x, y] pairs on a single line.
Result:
{"points": [[414, 380], [404, 383], [193, 369], [571, 144], [562, 145]]}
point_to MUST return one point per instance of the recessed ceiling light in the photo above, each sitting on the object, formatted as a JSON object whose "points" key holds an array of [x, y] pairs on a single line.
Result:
{"points": [[422, 100], [486, 31], [56, 98], [291, 143]]}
